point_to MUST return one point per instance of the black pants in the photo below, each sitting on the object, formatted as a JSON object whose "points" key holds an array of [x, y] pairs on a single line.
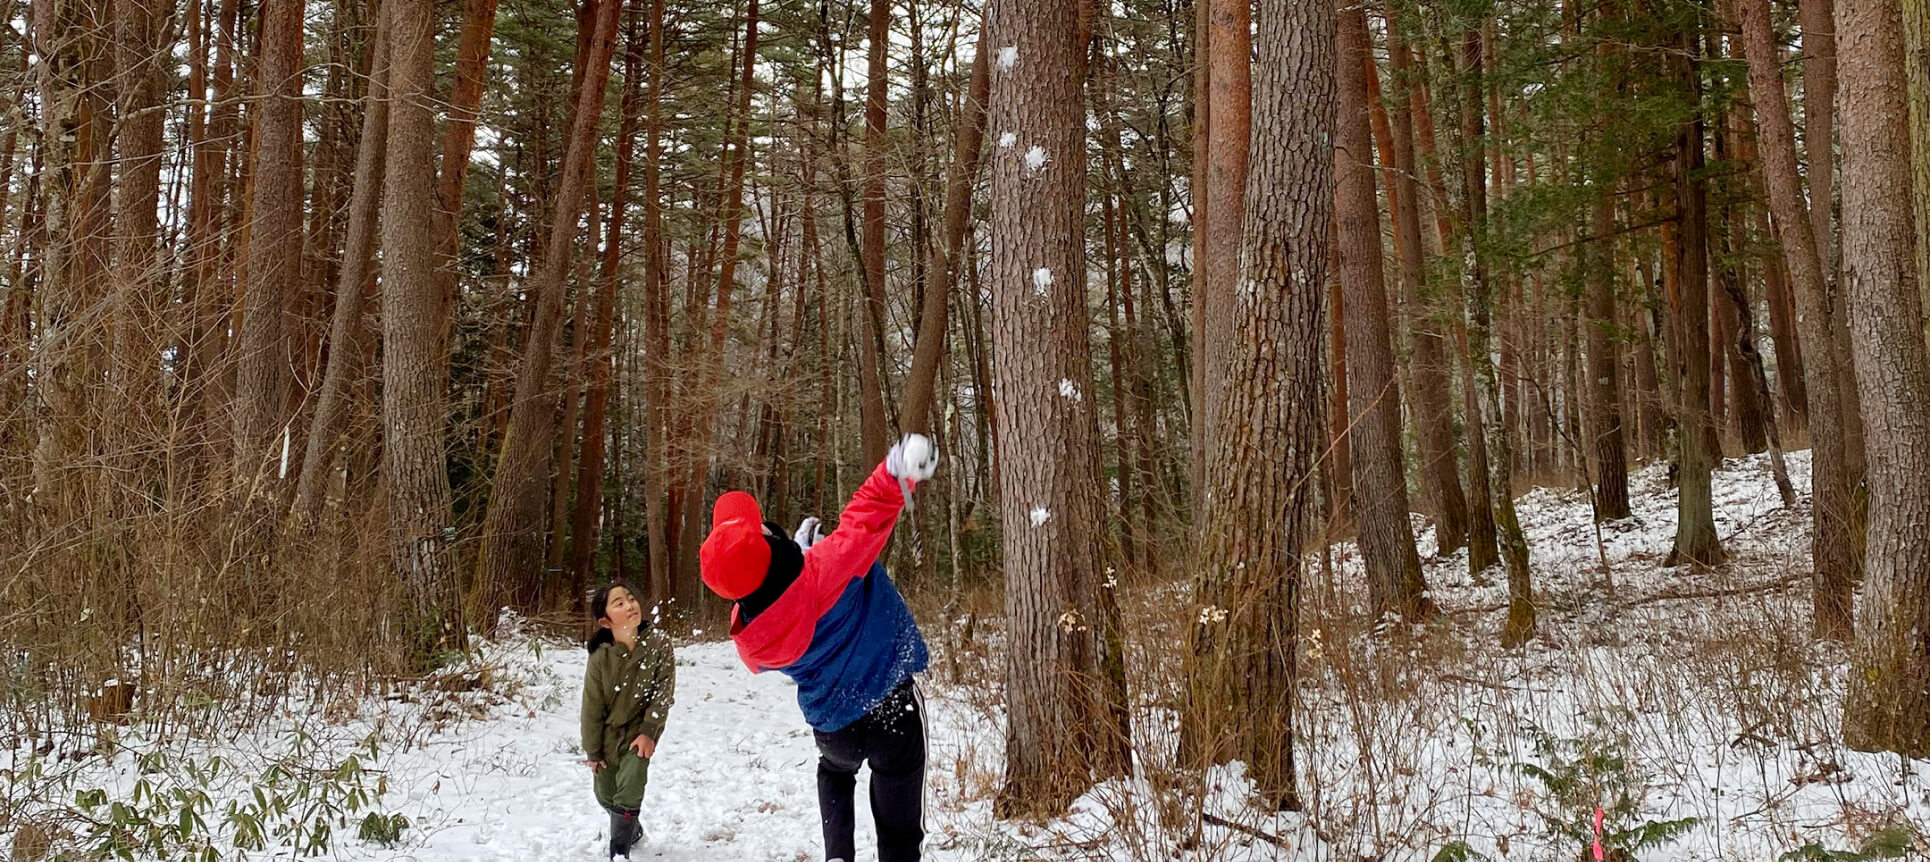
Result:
{"points": [[891, 737]]}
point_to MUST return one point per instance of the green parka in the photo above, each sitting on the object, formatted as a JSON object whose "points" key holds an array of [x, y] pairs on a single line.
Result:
{"points": [[627, 692]]}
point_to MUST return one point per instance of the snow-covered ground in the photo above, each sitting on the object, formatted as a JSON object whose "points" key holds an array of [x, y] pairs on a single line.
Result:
{"points": [[1693, 706]]}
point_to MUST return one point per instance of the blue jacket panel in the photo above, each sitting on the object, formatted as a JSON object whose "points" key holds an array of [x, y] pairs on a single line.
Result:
{"points": [[863, 647]]}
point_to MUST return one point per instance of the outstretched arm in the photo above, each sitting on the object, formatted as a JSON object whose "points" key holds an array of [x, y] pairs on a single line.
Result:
{"points": [[869, 518]]}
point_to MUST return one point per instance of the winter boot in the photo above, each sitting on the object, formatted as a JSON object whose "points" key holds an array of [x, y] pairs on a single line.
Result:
{"points": [[624, 832]]}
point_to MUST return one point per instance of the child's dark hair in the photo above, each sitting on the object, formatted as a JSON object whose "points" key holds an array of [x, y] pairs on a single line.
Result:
{"points": [[600, 607]]}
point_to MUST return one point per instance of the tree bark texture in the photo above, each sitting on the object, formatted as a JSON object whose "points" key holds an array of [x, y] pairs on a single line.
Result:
{"points": [[1242, 663], [874, 426], [1428, 366], [512, 541], [263, 375], [1889, 699], [413, 409], [348, 349], [1051, 501], [1374, 398], [1696, 542]]}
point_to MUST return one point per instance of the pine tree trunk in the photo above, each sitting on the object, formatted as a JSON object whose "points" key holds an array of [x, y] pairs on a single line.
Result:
{"points": [[1604, 368], [658, 526], [1888, 706], [1229, 28], [916, 414], [348, 349], [458, 139], [413, 407], [512, 544], [1916, 71], [874, 426], [1058, 730], [1198, 189], [589, 477], [1738, 344], [263, 380], [141, 279], [1483, 388], [1648, 387], [1790, 374], [1242, 664], [1696, 543], [1484, 551], [1819, 134], [1374, 398], [1338, 468], [1433, 417], [73, 257], [1718, 326]]}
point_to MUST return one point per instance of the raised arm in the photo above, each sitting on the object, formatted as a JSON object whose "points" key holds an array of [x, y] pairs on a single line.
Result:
{"points": [[863, 529], [868, 519]]}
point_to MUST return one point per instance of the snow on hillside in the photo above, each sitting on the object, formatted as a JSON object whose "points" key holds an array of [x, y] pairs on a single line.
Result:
{"points": [[1692, 708]]}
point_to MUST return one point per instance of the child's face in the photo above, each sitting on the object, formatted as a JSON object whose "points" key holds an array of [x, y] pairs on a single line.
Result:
{"points": [[621, 610]]}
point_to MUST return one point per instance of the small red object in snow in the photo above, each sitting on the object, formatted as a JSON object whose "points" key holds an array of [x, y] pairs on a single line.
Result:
{"points": [[1598, 834]]}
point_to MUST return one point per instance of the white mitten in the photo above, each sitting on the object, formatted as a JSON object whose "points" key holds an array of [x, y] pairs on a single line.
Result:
{"points": [[807, 534], [913, 458]]}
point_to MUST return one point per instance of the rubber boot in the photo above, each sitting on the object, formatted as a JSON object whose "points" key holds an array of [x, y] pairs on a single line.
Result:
{"points": [[624, 832]]}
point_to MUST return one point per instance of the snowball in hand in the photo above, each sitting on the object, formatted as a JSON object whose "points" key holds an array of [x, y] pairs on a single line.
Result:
{"points": [[913, 458]]}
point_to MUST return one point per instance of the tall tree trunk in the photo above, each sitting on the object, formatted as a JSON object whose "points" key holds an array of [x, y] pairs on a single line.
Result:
{"points": [[1888, 707], [1229, 110], [1604, 367], [1730, 278], [1696, 543], [1433, 417], [1717, 325], [1916, 71], [1338, 467], [1484, 552], [1484, 389], [1241, 664], [1374, 397], [1648, 386], [1198, 189], [348, 349], [141, 281], [512, 530], [458, 139], [263, 379], [413, 408], [930, 349], [871, 386], [701, 448], [1058, 728], [72, 253], [1819, 140], [658, 526], [589, 477]]}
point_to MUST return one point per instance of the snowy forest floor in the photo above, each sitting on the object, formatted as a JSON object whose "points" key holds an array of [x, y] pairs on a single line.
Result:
{"points": [[1693, 708]]}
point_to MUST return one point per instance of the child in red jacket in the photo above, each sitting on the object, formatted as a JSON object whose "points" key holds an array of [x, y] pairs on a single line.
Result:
{"points": [[824, 613]]}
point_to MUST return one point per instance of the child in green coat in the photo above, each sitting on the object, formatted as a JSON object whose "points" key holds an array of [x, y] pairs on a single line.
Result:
{"points": [[627, 691]]}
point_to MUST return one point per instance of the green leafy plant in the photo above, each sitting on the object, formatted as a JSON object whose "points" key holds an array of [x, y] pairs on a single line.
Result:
{"points": [[383, 829], [1593, 771], [1889, 843], [1458, 851]]}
